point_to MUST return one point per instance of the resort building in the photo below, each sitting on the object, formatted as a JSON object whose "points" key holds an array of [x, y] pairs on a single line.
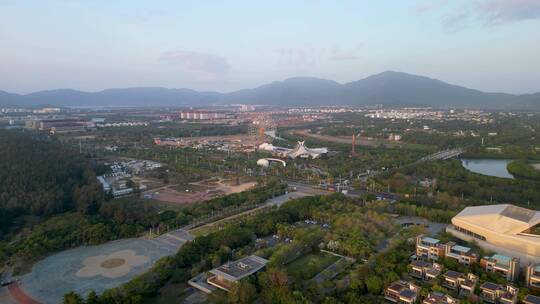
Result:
{"points": [[402, 292], [532, 276], [507, 266], [225, 276], [467, 284], [451, 280], [425, 271], [463, 255], [464, 285], [495, 293], [432, 249], [439, 298], [429, 248], [507, 229]]}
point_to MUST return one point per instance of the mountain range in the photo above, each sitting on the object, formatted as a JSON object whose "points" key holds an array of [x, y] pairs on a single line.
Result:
{"points": [[387, 88]]}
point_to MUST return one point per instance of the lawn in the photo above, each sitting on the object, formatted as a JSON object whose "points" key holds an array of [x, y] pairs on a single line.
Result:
{"points": [[306, 267]]}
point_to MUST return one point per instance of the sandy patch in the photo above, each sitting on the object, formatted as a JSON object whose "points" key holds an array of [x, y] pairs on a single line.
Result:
{"points": [[114, 265]]}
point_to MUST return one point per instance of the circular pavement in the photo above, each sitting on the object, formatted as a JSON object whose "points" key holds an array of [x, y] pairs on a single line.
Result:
{"points": [[95, 268]]}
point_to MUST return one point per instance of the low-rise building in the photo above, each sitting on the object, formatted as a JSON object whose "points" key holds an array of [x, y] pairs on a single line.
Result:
{"points": [[402, 292], [507, 266], [439, 298], [432, 249], [463, 255], [467, 284], [495, 293], [532, 276], [424, 270], [225, 276], [451, 279], [429, 248], [463, 284]]}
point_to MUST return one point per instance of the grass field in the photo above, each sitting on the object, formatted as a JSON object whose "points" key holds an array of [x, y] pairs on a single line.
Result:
{"points": [[309, 265]]}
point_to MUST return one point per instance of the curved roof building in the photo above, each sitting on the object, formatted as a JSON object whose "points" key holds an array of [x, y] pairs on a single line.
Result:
{"points": [[504, 228]]}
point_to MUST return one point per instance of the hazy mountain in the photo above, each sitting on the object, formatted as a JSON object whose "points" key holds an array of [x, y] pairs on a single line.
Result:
{"points": [[9, 98], [121, 97], [395, 88], [387, 88], [292, 91]]}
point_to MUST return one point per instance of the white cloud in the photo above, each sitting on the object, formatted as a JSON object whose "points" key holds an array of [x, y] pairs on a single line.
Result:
{"points": [[213, 65]]}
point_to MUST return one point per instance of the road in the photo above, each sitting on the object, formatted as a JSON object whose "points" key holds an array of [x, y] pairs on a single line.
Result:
{"points": [[301, 190]]}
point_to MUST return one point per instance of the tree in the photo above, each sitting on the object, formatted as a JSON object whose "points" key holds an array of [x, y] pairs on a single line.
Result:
{"points": [[72, 298], [92, 298], [374, 284], [242, 293]]}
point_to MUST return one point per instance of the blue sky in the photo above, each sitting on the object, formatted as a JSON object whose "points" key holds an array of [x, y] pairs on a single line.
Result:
{"points": [[492, 45]]}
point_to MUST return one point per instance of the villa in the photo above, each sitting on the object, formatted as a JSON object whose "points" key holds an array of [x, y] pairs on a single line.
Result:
{"points": [[402, 292]]}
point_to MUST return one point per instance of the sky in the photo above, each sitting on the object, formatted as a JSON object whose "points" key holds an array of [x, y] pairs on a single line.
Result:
{"points": [[490, 45]]}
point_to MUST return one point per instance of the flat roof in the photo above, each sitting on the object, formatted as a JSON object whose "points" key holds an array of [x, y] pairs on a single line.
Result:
{"points": [[501, 259], [461, 248], [430, 240], [239, 269], [490, 286], [407, 293], [453, 274]]}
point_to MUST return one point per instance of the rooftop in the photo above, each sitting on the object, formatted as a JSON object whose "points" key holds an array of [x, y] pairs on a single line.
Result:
{"points": [[430, 240], [420, 263], [491, 286], [530, 299], [462, 249], [452, 274], [237, 270], [502, 218]]}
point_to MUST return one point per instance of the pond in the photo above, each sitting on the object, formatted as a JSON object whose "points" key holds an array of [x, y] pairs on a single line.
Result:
{"points": [[490, 167]]}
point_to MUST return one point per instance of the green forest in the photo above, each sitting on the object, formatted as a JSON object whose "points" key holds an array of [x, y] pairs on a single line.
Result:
{"points": [[41, 177]]}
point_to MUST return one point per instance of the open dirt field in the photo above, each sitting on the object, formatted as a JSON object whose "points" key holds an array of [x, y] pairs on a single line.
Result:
{"points": [[173, 196], [206, 189], [360, 141]]}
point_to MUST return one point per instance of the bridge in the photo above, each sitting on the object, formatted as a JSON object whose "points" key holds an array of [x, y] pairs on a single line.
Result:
{"points": [[442, 155]]}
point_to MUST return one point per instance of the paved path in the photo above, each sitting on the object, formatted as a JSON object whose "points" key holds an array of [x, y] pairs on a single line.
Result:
{"points": [[5, 297]]}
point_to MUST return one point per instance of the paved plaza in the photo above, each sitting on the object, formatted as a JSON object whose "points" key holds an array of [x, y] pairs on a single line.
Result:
{"points": [[97, 267]]}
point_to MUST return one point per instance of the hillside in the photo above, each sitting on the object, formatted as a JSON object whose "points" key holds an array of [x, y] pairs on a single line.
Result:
{"points": [[387, 88]]}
